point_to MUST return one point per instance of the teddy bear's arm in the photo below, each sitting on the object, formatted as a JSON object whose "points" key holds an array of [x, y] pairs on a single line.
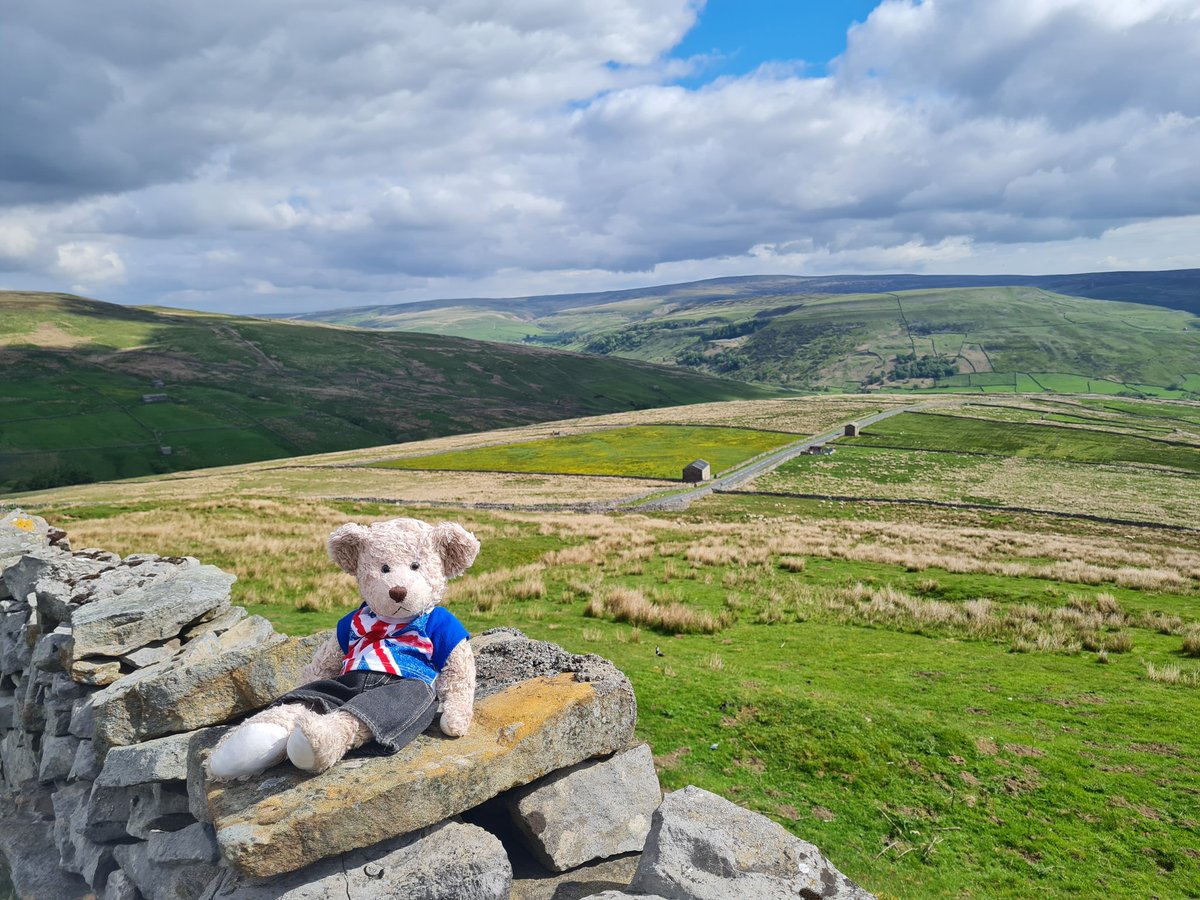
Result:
{"points": [[456, 687], [326, 662]]}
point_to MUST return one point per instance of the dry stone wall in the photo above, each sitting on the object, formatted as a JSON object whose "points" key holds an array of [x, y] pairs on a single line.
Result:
{"points": [[118, 675]]}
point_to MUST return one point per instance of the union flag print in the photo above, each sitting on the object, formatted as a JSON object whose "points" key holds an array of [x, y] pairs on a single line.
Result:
{"points": [[380, 646]]}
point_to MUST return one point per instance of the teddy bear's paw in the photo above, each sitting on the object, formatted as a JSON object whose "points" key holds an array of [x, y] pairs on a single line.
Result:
{"points": [[455, 722], [248, 750], [300, 751]]}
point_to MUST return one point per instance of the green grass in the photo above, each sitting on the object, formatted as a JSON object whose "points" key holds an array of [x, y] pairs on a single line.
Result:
{"points": [[922, 761], [926, 431], [645, 451]]}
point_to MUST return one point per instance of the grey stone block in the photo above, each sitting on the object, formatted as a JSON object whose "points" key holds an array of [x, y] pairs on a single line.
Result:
{"points": [[57, 715], [107, 813], [450, 861], [121, 887], [162, 806], [86, 765], [159, 882], [58, 755], [161, 759], [193, 844], [702, 847], [153, 610], [593, 810], [152, 654], [33, 862], [18, 758]]}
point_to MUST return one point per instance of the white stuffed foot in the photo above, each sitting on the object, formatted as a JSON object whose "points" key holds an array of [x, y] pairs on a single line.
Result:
{"points": [[300, 751], [251, 749]]}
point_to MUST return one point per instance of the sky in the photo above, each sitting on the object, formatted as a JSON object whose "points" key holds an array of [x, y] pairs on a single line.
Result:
{"points": [[290, 155]]}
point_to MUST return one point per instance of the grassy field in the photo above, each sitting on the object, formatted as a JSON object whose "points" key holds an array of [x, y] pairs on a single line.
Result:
{"points": [[985, 339], [960, 434], [949, 702], [641, 451], [74, 374]]}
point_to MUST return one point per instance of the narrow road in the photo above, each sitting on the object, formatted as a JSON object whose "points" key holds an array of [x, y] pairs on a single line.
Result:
{"points": [[753, 469]]}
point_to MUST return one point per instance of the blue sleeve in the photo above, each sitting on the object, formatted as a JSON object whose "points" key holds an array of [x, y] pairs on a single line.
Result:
{"points": [[343, 630], [446, 632]]}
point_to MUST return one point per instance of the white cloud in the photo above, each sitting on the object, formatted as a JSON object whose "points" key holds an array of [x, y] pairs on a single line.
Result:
{"points": [[313, 153], [90, 264]]}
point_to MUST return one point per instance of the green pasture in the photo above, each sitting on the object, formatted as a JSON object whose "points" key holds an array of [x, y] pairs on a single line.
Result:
{"points": [[928, 431], [643, 451], [922, 761]]}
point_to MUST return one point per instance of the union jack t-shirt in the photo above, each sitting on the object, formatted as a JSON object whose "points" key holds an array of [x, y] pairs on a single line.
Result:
{"points": [[415, 649]]}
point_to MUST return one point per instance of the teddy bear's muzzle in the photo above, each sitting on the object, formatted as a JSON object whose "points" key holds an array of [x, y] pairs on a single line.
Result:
{"points": [[398, 593]]}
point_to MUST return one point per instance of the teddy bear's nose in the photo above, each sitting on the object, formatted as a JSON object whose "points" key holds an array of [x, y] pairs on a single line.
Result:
{"points": [[398, 593]]}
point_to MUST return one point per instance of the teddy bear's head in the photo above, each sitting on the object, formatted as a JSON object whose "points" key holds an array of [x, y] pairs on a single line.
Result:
{"points": [[402, 565]]}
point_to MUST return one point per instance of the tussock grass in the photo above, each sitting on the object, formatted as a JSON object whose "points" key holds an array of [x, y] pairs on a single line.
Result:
{"points": [[1028, 627], [1171, 673], [1191, 643], [630, 605]]}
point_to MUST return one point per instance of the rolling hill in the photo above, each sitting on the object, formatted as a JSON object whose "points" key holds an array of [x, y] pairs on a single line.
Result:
{"points": [[92, 390], [975, 333]]}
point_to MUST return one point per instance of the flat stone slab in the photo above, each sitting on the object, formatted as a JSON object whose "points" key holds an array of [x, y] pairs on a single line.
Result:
{"points": [[450, 861], [286, 819], [154, 610], [244, 670]]}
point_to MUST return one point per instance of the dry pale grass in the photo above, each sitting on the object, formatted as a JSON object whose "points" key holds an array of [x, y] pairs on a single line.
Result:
{"points": [[1027, 626], [1191, 642], [630, 605], [1170, 673]]}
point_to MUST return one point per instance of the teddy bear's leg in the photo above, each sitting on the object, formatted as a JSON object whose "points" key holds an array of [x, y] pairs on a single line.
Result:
{"points": [[318, 741], [456, 685], [257, 744]]}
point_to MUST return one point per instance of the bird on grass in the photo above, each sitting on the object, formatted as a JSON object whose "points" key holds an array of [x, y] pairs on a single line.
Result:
{"points": [[658, 652]]}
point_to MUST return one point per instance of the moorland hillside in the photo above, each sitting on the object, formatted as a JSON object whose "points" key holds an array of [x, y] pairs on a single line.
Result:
{"points": [[92, 391], [866, 332]]}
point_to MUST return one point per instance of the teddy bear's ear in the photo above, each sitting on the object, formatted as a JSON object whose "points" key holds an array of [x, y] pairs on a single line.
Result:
{"points": [[345, 544], [457, 547]]}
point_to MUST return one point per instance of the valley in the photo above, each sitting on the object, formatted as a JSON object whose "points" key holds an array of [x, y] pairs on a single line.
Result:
{"points": [[998, 692]]}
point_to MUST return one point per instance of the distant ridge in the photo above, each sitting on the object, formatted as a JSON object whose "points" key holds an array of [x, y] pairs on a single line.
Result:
{"points": [[1136, 333], [1171, 288]]}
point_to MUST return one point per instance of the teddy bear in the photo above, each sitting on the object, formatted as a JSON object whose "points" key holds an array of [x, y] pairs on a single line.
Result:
{"points": [[379, 678]]}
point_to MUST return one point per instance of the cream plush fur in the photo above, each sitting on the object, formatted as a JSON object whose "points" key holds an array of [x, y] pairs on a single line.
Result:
{"points": [[419, 559]]}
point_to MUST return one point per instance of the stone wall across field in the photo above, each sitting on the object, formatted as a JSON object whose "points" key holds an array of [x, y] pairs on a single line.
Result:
{"points": [[118, 675]]}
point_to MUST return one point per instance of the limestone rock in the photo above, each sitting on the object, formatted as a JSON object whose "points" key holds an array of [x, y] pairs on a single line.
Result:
{"points": [[193, 844], [80, 854], [286, 819], [249, 666], [148, 610], [120, 887], [33, 862], [702, 847], [590, 811], [56, 579], [18, 759], [159, 882], [450, 861], [86, 765], [151, 654], [621, 895], [58, 755], [162, 759], [98, 672], [21, 533], [162, 806]]}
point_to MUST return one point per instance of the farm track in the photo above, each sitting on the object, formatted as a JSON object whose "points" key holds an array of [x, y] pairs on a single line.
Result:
{"points": [[754, 468]]}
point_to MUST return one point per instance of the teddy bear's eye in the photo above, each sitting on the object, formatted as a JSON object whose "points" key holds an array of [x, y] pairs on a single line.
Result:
{"points": [[386, 568], [415, 566]]}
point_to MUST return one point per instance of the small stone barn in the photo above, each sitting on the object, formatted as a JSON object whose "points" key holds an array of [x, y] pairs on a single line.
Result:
{"points": [[852, 429], [696, 471]]}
